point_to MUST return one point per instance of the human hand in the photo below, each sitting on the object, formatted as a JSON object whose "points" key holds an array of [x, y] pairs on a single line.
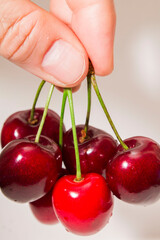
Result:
{"points": [[56, 45]]}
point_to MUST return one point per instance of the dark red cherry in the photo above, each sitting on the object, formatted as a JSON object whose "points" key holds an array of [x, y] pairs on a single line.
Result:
{"points": [[133, 175], [95, 151], [84, 207], [42, 209], [18, 125], [63, 172], [28, 170]]}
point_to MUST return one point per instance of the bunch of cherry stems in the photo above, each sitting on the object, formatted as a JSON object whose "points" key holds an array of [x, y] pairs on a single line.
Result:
{"points": [[91, 80]]}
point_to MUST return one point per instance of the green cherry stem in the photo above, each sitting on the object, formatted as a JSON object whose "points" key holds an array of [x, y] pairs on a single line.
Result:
{"points": [[78, 167], [44, 114], [31, 119], [61, 119], [89, 102], [94, 83]]}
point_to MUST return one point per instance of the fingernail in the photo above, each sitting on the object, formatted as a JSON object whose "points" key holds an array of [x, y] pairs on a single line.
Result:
{"points": [[64, 62]]}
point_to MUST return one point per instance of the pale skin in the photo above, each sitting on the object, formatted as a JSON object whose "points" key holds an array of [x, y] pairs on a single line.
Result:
{"points": [[28, 32]]}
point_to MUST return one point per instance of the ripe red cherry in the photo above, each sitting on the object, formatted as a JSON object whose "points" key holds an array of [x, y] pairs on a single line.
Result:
{"points": [[28, 170], [42, 209], [95, 151], [134, 175], [18, 125], [83, 207]]}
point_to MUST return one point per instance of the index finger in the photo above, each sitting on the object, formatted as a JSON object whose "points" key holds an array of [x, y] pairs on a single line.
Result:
{"points": [[93, 21]]}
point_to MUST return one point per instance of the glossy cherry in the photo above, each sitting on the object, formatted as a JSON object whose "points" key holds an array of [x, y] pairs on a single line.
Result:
{"points": [[83, 207], [95, 151], [42, 209], [18, 125], [28, 170], [133, 175]]}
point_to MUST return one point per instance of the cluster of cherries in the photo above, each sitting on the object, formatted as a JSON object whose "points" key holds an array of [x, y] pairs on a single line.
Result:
{"points": [[80, 196]]}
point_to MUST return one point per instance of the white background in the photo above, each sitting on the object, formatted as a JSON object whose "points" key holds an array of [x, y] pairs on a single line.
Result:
{"points": [[132, 95]]}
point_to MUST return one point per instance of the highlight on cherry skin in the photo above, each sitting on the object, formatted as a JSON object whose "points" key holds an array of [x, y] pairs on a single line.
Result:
{"points": [[95, 150], [28, 170], [133, 175], [85, 206], [18, 125]]}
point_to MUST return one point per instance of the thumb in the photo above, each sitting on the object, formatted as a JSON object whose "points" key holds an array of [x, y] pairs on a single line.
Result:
{"points": [[37, 41]]}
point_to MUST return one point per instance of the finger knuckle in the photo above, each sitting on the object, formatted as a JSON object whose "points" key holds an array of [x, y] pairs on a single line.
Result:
{"points": [[18, 38]]}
